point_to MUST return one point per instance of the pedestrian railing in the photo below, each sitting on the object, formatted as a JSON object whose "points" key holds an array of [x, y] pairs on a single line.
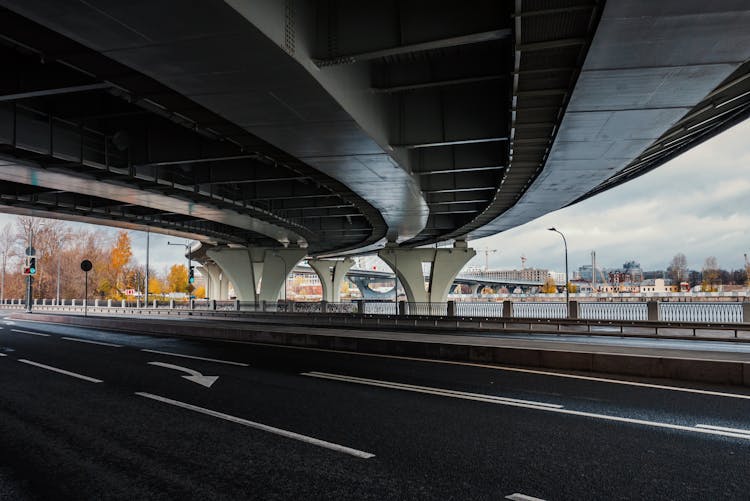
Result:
{"points": [[702, 312], [380, 308], [426, 309], [479, 309], [685, 312], [613, 311], [539, 310]]}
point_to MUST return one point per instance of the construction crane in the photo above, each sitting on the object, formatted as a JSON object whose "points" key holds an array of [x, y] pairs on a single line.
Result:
{"points": [[487, 253]]}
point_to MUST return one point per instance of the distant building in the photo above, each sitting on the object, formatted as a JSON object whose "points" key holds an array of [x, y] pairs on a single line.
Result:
{"points": [[658, 285], [557, 276], [525, 275]]}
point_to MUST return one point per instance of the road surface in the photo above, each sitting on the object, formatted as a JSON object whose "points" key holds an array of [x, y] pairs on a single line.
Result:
{"points": [[88, 414]]}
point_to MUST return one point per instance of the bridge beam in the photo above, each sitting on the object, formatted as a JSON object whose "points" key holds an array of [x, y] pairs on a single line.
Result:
{"points": [[445, 265], [257, 273], [331, 273]]}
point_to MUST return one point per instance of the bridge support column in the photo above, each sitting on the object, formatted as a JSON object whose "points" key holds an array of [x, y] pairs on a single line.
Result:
{"points": [[445, 265], [331, 273], [257, 273], [213, 275]]}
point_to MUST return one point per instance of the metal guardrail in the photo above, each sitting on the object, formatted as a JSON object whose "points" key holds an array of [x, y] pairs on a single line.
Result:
{"points": [[713, 312]]}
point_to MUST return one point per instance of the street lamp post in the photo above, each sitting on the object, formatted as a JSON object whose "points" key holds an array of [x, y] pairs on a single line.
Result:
{"points": [[567, 291]]}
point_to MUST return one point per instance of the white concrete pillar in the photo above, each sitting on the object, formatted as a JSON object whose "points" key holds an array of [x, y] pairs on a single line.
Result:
{"points": [[212, 272], [257, 273], [224, 286], [331, 273], [445, 265]]}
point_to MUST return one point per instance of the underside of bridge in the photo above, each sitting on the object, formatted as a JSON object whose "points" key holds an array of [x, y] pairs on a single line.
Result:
{"points": [[342, 126]]}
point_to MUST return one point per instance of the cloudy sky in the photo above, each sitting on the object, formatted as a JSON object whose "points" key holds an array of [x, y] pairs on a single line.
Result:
{"points": [[697, 204]]}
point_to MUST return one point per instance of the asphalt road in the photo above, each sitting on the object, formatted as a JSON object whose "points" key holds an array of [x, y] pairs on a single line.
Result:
{"points": [[86, 414]]}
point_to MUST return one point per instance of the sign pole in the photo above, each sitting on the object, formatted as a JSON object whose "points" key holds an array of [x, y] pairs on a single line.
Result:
{"points": [[86, 267], [29, 252]]}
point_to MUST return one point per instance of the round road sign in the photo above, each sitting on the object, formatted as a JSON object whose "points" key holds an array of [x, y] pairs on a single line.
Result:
{"points": [[86, 265]]}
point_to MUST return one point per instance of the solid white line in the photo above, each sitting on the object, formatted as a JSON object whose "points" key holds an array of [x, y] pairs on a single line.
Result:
{"points": [[522, 497], [262, 427], [592, 415], [428, 390], [31, 332], [513, 369], [91, 342], [3, 355], [196, 358], [61, 371], [723, 428]]}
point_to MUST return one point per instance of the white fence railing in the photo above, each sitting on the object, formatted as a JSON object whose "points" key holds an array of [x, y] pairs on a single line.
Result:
{"points": [[539, 310], [701, 312], [684, 312], [613, 311]]}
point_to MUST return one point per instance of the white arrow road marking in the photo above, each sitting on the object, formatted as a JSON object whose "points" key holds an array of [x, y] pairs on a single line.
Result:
{"points": [[262, 427], [60, 371], [195, 358], [30, 332], [194, 376]]}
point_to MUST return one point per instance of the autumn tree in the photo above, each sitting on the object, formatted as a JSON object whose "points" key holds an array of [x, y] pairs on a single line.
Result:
{"points": [[200, 292], [119, 258], [677, 269], [155, 284], [711, 275], [549, 286], [177, 278], [8, 250]]}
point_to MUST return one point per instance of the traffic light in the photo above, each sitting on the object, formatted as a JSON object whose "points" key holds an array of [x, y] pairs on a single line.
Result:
{"points": [[191, 275], [29, 265]]}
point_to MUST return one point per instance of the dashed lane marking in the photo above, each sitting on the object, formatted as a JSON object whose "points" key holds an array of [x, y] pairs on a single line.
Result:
{"points": [[196, 358], [78, 340], [31, 332], [480, 397], [548, 408], [522, 497], [511, 369], [61, 371], [723, 428], [262, 427]]}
